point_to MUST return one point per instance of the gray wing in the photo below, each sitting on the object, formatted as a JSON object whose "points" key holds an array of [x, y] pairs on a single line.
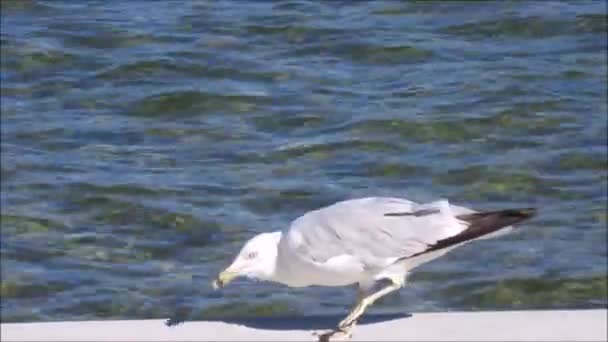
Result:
{"points": [[373, 229]]}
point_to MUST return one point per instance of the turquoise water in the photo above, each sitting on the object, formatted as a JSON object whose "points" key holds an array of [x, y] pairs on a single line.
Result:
{"points": [[144, 142]]}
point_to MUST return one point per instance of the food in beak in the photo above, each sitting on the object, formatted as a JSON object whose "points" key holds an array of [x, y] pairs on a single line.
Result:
{"points": [[223, 279]]}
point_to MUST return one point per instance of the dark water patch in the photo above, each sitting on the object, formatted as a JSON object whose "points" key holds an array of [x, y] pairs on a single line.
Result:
{"points": [[110, 252], [582, 161], [288, 123], [172, 290], [109, 39], [34, 60], [272, 201], [446, 276], [83, 202], [530, 27], [6, 174], [184, 132], [389, 170], [19, 316], [551, 124], [244, 309], [103, 250], [146, 69], [600, 215], [533, 293], [295, 7], [120, 212], [17, 5], [288, 170], [100, 103], [417, 7], [213, 189], [35, 248], [30, 7], [592, 23], [239, 310], [509, 144], [392, 9], [97, 192], [171, 132], [527, 119], [321, 151], [294, 33], [514, 91], [7, 113], [206, 65], [523, 114], [16, 92], [115, 139], [114, 304], [511, 185], [38, 288], [98, 261], [421, 132], [574, 74], [50, 88], [83, 238], [255, 74], [381, 55], [466, 175], [480, 182], [593, 214], [18, 224], [52, 140], [143, 250], [194, 103], [142, 222], [40, 134]]}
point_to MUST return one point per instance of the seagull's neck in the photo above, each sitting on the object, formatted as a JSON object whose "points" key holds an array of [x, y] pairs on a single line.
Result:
{"points": [[280, 267], [284, 270], [271, 266]]}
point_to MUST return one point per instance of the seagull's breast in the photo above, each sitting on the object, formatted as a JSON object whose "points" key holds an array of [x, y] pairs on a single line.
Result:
{"points": [[296, 269]]}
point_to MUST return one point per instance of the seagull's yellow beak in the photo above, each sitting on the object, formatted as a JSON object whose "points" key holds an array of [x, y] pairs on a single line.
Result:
{"points": [[224, 278]]}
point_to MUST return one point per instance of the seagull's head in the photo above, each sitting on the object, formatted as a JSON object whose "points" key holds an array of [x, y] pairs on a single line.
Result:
{"points": [[257, 260]]}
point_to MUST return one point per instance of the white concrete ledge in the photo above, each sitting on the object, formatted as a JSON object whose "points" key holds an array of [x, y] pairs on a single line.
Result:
{"points": [[567, 325]]}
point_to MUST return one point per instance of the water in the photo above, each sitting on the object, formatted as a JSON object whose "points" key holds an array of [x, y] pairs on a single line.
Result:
{"points": [[144, 142]]}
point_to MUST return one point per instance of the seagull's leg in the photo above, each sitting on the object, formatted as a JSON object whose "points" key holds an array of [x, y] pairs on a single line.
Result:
{"points": [[344, 334], [334, 335], [359, 309], [360, 294], [345, 328], [362, 289]]}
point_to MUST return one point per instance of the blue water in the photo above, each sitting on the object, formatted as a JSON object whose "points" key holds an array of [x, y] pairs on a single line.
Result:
{"points": [[143, 142]]}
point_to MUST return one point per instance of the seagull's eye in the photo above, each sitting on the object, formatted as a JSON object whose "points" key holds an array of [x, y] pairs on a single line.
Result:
{"points": [[251, 255]]}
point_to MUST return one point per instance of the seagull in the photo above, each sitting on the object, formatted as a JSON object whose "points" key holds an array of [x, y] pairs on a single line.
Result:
{"points": [[373, 242]]}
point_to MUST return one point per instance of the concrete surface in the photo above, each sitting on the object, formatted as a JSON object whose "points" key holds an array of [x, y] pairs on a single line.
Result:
{"points": [[567, 325]]}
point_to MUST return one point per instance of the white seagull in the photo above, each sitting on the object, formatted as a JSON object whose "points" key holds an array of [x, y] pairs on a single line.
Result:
{"points": [[372, 242]]}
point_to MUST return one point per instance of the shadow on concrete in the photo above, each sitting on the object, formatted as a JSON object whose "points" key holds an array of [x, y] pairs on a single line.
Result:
{"points": [[317, 322]]}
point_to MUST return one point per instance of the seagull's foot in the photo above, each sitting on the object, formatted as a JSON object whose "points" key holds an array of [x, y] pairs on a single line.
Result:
{"points": [[348, 322], [339, 334], [345, 324], [352, 317]]}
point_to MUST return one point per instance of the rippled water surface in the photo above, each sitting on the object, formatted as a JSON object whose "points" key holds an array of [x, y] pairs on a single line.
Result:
{"points": [[143, 142]]}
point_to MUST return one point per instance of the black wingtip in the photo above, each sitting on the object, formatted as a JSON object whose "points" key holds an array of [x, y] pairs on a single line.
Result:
{"points": [[501, 218], [490, 221], [524, 213], [529, 212], [483, 223]]}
